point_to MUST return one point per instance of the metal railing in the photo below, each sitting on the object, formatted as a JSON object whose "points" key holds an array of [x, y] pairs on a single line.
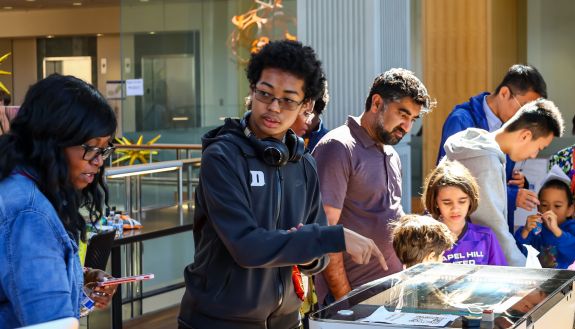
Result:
{"points": [[137, 171], [183, 151]]}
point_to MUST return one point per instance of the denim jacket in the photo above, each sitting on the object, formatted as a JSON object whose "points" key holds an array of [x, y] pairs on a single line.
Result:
{"points": [[40, 273]]}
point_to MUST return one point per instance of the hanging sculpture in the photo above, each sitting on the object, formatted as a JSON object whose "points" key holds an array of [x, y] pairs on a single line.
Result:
{"points": [[131, 155], [256, 27], [2, 72]]}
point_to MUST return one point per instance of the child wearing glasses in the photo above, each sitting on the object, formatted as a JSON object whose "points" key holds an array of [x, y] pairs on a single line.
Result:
{"points": [[259, 221], [51, 165], [450, 195]]}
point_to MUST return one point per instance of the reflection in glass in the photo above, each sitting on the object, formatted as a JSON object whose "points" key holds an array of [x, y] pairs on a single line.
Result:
{"points": [[462, 290]]}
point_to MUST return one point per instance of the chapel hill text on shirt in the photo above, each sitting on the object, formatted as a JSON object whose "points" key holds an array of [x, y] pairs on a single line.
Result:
{"points": [[469, 257]]}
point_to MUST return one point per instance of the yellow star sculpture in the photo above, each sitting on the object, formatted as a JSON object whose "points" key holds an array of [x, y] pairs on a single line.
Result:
{"points": [[132, 154], [2, 86]]}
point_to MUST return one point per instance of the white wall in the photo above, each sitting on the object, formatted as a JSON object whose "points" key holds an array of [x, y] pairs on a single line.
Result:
{"points": [[551, 48]]}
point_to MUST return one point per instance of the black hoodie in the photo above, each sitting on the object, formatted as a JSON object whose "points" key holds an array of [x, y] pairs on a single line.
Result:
{"points": [[241, 275]]}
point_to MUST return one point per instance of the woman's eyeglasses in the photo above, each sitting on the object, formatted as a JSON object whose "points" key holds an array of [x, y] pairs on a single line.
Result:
{"points": [[91, 153]]}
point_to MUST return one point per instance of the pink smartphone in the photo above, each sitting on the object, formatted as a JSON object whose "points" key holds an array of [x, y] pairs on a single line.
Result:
{"points": [[126, 279]]}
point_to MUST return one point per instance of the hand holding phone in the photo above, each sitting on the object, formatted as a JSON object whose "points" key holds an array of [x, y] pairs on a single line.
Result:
{"points": [[126, 279]]}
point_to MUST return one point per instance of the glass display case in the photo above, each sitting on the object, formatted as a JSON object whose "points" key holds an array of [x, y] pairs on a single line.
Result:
{"points": [[457, 296]]}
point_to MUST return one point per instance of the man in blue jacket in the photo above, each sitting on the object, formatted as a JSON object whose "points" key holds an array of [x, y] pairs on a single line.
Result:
{"points": [[521, 84], [259, 219]]}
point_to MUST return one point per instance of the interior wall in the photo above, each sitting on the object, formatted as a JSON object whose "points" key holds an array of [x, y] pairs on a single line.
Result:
{"points": [[128, 115], [222, 75], [551, 48], [24, 64], [455, 65], [6, 65], [109, 49], [507, 35], [467, 48], [77, 21], [24, 68], [163, 16], [60, 22]]}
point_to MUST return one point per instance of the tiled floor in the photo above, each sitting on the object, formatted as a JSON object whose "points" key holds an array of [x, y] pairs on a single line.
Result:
{"points": [[156, 314], [161, 319]]}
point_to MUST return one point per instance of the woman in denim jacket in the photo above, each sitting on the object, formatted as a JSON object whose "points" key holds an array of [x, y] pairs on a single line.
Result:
{"points": [[51, 166]]}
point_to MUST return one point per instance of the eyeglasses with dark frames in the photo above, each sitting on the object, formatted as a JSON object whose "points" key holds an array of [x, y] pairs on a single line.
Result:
{"points": [[283, 103], [91, 153]]}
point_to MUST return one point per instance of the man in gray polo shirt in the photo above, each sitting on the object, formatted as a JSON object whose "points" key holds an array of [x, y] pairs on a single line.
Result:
{"points": [[360, 176]]}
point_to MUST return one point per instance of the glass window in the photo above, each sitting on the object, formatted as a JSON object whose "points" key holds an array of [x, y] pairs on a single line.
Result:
{"points": [[192, 56]]}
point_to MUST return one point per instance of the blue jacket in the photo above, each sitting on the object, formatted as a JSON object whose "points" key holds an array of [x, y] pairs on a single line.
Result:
{"points": [[316, 135], [40, 273], [562, 248], [471, 115]]}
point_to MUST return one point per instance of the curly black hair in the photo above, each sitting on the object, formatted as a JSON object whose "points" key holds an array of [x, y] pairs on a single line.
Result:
{"points": [[321, 102], [59, 112], [292, 57], [397, 83]]}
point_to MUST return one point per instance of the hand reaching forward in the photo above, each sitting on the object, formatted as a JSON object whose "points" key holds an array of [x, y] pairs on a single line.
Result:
{"points": [[526, 199], [361, 248]]}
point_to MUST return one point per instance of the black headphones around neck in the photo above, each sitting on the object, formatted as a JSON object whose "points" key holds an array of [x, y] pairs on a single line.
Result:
{"points": [[272, 151]]}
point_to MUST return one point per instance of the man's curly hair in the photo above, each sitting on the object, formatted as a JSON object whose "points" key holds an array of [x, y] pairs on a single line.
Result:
{"points": [[397, 83], [292, 57]]}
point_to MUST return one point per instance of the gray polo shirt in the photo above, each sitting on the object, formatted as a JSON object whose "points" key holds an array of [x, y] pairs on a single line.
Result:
{"points": [[362, 179]]}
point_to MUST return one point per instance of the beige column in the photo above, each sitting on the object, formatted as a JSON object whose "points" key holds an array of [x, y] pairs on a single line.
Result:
{"points": [[467, 47]]}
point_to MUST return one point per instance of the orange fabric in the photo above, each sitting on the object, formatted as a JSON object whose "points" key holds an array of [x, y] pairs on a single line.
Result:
{"points": [[297, 282]]}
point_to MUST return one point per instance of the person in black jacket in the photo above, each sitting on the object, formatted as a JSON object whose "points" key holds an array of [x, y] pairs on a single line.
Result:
{"points": [[259, 219]]}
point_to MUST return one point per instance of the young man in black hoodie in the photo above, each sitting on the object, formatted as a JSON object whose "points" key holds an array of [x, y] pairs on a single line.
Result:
{"points": [[259, 220]]}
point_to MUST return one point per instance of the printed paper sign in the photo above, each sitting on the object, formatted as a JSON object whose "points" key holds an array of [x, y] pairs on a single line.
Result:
{"points": [[410, 319], [135, 87]]}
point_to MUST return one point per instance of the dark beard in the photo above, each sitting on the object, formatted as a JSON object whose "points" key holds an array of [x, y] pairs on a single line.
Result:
{"points": [[388, 138]]}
